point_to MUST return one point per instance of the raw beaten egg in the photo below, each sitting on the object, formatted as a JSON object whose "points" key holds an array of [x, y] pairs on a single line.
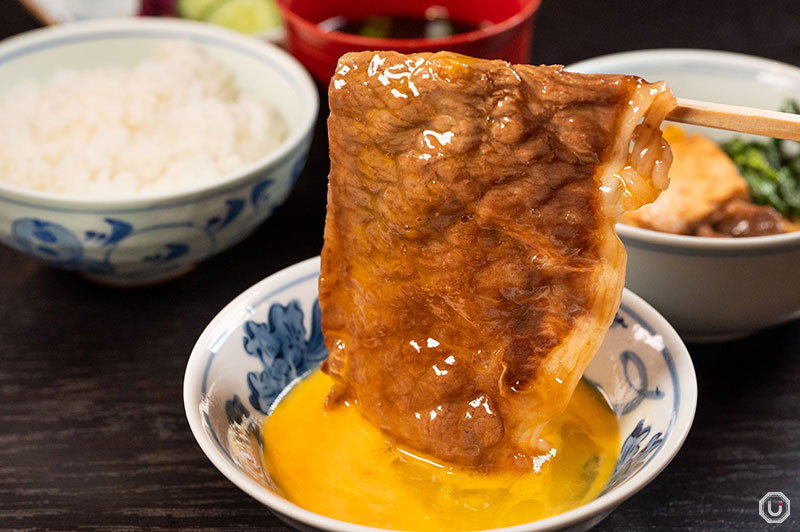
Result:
{"points": [[336, 463]]}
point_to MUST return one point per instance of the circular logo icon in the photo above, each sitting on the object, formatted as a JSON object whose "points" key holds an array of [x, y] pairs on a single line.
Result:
{"points": [[774, 507]]}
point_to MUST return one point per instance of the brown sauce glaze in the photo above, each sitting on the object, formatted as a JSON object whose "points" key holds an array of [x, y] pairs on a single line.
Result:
{"points": [[464, 236]]}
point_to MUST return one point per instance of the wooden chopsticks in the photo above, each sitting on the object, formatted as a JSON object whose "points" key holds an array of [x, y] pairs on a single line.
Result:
{"points": [[736, 118]]}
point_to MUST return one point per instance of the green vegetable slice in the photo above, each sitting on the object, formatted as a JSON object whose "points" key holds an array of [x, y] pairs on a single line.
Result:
{"points": [[198, 9], [246, 16]]}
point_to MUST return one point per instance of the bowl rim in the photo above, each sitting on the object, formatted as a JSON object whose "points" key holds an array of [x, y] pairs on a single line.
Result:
{"points": [[375, 43], [686, 244], [220, 327], [165, 28]]}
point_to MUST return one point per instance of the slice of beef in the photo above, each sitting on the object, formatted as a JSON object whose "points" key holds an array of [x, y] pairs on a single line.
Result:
{"points": [[470, 266]]}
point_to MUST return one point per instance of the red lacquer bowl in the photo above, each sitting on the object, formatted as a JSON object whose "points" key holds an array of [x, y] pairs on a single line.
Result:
{"points": [[507, 36]]}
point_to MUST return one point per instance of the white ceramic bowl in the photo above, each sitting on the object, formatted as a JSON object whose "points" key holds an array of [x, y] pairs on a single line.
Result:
{"points": [[712, 288], [153, 237], [642, 367]]}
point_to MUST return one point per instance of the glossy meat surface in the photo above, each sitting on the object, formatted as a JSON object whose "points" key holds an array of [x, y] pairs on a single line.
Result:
{"points": [[470, 266]]}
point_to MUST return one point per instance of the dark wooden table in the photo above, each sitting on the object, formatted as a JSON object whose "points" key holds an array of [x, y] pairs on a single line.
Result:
{"points": [[92, 430]]}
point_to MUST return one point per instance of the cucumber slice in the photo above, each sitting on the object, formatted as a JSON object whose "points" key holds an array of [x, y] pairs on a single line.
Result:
{"points": [[198, 9], [246, 16]]}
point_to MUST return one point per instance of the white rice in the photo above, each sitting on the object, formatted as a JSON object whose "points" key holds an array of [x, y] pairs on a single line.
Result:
{"points": [[173, 121]]}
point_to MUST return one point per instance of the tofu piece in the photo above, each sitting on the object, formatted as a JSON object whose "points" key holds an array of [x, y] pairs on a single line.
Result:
{"points": [[702, 179]]}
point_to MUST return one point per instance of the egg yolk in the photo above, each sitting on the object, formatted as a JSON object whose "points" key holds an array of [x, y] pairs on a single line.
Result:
{"points": [[336, 463]]}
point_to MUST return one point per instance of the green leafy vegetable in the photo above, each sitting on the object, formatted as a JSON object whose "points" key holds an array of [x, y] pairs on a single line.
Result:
{"points": [[770, 169], [376, 26]]}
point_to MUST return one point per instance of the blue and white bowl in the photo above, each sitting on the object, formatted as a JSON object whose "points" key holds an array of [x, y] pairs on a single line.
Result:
{"points": [[270, 335], [158, 236]]}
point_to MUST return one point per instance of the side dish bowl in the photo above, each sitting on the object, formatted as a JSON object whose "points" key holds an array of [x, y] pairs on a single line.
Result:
{"points": [[643, 368], [712, 289], [507, 35], [154, 237]]}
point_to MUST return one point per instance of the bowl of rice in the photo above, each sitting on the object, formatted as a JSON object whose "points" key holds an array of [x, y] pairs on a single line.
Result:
{"points": [[132, 149]]}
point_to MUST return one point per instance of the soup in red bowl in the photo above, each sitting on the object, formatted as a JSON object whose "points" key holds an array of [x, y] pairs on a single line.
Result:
{"points": [[318, 33]]}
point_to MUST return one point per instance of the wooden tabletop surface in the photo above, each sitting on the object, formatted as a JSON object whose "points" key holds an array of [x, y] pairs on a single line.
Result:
{"points": [[92, 430]]}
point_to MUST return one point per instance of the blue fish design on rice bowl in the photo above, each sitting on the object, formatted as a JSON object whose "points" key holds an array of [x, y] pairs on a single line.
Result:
{"points": [[48, 241]]}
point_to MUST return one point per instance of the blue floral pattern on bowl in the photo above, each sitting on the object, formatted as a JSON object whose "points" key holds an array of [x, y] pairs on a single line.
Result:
{"points": [[281, 346], [633, 454], [286, 356]]}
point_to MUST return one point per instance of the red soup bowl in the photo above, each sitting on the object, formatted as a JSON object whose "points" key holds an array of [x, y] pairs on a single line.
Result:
{"points": [[505, 28]]}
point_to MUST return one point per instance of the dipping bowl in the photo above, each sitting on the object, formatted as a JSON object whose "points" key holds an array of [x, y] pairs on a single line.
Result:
{"points": [[643, 369]]}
